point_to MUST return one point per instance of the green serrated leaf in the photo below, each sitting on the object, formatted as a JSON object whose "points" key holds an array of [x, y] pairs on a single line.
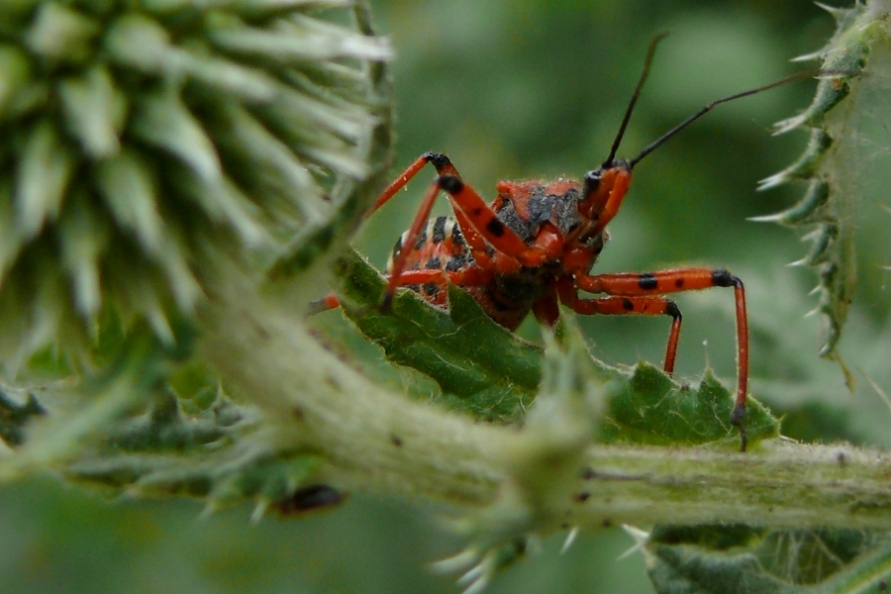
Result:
{"points": [[650, 408], [743, 560], [852, 69], [482, 368], [680, 569], [489, 372], [217, 453]]}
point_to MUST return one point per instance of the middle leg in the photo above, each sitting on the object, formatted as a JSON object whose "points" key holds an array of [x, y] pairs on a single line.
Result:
{"points": [[629, 305], [675, 281]]}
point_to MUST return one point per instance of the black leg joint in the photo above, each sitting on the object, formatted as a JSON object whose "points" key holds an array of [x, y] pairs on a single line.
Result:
{"points": [[736, 419], [671, 308], [387, 303], [437, 159], [450, 184], [722, 278]]}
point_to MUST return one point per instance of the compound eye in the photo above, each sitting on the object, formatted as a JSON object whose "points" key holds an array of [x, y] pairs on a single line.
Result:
{"points": [[592, 179]]}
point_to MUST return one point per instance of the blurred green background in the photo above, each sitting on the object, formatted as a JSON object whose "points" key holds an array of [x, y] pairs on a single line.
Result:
{"points": [[527, 89]]}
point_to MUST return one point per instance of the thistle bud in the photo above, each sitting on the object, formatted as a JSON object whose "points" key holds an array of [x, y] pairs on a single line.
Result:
{"points": [[141, 140]]}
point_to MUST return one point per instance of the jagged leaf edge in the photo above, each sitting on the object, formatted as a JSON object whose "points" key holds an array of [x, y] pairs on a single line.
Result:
{"points": [[647, 406]]}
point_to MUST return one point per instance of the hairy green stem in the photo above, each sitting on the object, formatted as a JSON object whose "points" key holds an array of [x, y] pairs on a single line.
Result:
{"points": [[783, 484], [371, 437], [379, 441]]}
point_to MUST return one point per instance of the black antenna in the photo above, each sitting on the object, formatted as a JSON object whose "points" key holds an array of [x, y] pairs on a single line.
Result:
{"points": [[662, 139], [648, 61]]}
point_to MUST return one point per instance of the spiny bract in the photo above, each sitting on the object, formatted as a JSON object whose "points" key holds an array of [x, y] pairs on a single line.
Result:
{"points": [[829, 164], [142, 138]]}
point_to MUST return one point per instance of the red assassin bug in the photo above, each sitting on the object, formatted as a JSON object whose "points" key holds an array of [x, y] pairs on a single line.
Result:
{"points": [[535, 244]]}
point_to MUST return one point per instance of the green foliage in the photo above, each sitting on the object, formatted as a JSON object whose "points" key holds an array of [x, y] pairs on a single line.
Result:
{"points": [[482, 368], [490, 373], [213, 454], [14, 415], [828, 165], [147, 146], [649, 408], [543, 469], [142, 141], [181, 178], [739, 559]]}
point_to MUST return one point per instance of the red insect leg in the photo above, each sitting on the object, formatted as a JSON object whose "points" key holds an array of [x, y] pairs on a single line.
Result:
{"points": [[324, 304], [548, 243], [399, 262], [466, 277], [408, 244], [432, 283], [482, 219], [480, 250], [470, 276], [440, 162], [477, 220], [675, 281], [627, 305]]}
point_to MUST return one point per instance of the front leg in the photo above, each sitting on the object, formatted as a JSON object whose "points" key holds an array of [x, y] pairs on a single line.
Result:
{"points": [[440, 162]]}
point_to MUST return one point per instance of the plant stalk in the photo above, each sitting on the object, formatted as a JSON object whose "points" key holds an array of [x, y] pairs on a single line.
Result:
{"points": [[381, 442]]}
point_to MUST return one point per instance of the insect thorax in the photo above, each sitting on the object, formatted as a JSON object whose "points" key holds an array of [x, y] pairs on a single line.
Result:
{"points": [[526, 206]]}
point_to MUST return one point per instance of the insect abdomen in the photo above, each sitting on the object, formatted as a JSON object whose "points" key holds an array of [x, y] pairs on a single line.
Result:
{"points": [[439, 246]]}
